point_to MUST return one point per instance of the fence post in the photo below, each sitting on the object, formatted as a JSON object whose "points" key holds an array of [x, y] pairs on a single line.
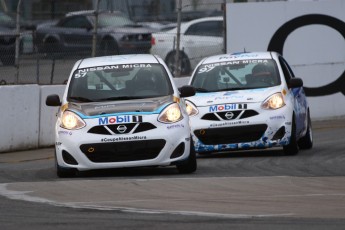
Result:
{"points": [[178, 38], [95, 28], [16, 56]]}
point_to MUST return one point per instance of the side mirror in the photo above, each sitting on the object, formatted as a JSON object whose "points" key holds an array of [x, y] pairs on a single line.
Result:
{"points": [[53, 100], [187, 91], [295, 83]]}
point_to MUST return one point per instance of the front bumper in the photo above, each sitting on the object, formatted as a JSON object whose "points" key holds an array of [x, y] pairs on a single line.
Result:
{"points": [[85, 149], [252, 128]]}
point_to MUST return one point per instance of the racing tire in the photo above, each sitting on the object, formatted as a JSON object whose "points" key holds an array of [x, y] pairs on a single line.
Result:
{"points": [[292, 148], [63, 172], [108, 47], [306, 142], [189, 165], [185, 67]]}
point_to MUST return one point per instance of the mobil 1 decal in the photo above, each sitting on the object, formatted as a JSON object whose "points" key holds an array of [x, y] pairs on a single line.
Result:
{"points": [[278, 40]]}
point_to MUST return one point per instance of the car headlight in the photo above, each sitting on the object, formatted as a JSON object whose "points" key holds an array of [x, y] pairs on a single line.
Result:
{"points": [[191, 109], [275, 101], [171, 114], [70, 120]]}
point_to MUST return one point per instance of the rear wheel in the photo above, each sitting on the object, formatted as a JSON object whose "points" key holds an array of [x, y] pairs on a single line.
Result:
{"points": [[292, 147], [51, 48], [184, 65], [189, 165], [108, 47], [306, 142]]}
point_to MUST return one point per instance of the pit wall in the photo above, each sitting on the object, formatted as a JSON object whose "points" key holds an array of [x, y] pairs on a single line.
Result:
{"points": [[27, 123]]}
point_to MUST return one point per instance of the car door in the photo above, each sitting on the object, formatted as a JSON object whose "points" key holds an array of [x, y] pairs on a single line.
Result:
{"points": [[203, 39], [76, 33], [300, 106]]}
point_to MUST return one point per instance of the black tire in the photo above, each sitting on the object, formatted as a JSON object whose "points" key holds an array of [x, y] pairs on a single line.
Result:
{"points": [[63, 172], [108, 47], [9, 60], [292, 148], [185, 67], [306, 142], [189, 165], [51, 48]]}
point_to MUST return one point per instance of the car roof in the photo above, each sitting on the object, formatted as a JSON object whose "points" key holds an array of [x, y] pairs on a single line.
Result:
{"points": [[238, 56], [118, 59], [185, 25], [92, 12]]}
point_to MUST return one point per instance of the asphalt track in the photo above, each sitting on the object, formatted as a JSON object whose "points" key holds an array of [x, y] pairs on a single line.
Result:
{"points": [[233, 190]]}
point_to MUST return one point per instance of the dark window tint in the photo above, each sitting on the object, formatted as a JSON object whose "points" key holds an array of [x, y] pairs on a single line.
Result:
{"points": [[76, 22], [208, 28]]}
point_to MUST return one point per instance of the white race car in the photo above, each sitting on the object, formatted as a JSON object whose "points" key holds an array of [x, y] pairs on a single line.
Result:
{"points": [[246, 101], [122, 111], [200, 38]]}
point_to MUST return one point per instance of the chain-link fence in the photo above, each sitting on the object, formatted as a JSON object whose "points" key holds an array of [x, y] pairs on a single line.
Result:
{"points": [[48, 51]]}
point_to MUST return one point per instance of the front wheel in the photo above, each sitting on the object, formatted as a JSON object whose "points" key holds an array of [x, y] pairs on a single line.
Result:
{"points": [[189, 165], [63, 172], [292, 147], [306, 142]]}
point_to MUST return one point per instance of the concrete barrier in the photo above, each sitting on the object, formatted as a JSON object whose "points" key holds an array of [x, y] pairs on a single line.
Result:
{"points": [[20, 114]]}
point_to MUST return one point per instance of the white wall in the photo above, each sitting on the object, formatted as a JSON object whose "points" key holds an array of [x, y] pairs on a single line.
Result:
{"points": [[20, 113], [315, 51]]}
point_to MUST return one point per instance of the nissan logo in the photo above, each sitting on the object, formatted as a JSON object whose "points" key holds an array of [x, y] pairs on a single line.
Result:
{"points": [[229, 115], [121, 128]]}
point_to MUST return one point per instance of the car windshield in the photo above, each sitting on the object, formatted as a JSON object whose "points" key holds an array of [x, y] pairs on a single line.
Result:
{"points": [[236, 75], [119, 82], [114, 20]]}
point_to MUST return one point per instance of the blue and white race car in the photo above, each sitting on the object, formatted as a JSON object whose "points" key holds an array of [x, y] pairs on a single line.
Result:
{"points": [[122, 111], [248, 101]]}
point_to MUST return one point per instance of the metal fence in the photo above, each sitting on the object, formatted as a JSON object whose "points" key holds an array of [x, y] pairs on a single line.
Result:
{"points": [[41, 61]]}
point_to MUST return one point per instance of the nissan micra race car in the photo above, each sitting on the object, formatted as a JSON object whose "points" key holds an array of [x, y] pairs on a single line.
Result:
{"points": [[248, 101], [122, 111]]}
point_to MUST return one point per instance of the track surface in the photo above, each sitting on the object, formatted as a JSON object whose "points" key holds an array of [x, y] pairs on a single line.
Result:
{"points": [[241, 190]]}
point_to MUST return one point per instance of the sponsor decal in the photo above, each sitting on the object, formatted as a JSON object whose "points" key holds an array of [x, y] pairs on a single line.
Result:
{"points": [[115, 139], [58, 143], [105, 106], [209, 67], [229, 123], [175, 126], [65, 133], [225, 107], [82, 72], [277, 117], [119, 119]]}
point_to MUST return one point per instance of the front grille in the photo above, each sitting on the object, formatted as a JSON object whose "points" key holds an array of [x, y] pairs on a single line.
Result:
{"points": [[123, 151], [121, 128], [231, 135], [229, 115]]}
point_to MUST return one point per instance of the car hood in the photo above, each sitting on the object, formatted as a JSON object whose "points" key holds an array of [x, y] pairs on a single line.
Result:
{"points": [[148, 105], [235, 96]]}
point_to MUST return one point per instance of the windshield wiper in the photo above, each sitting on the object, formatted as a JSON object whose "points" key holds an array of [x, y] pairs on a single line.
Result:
{"points": [[119, 98], [82, 99], [201, 90], [237, 88]]}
